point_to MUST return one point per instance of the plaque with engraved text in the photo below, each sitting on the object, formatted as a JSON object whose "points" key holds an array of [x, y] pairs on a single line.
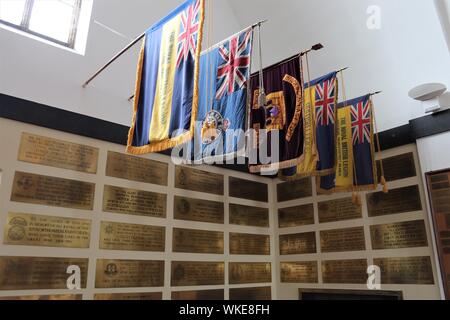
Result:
{"points": [[296, 216], [249, 244], [249, 294], [46, 231], [198, 210], [398, 167], [129, 273], [299, 243], [198, 180], [292, 190], [134, 202], [131, 237], [299, 272], [408, 234], [249, 216], [396, 201], [51, 191], [250, 272], [191, 273], [345, 271], [33, 273], [55, 297], [197, 241], [413, 270], [57, 153], [250, 190], [339, 210], [341, 240], [199, 295], [134, 296]]}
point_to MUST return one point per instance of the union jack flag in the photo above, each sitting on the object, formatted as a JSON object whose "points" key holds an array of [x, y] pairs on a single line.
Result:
{"points": [[187, 40], [234, 64], [361, 122], [325, 102]]}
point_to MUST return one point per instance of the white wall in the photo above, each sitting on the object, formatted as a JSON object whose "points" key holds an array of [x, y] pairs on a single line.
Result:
{"points": [[434, 153], [36, 71]]}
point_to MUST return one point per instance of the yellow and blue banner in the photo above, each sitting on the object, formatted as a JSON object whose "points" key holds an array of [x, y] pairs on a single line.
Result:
{"points": [[167, 90]]}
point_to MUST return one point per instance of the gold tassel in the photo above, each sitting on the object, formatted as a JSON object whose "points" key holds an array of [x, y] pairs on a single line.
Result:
{"points": [[356, 199], [384, 184]]}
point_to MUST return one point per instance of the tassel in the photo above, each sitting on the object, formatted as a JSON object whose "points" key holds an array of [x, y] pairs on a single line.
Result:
{"points": [[384, 184], [356, 199], [262, 99]]}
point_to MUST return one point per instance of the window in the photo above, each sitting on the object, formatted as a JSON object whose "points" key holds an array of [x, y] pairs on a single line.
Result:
{"points": [[53, 20]]}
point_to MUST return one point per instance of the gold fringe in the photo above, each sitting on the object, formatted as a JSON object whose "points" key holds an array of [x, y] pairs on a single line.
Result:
{"points": [[280, 166], [384, 184]]}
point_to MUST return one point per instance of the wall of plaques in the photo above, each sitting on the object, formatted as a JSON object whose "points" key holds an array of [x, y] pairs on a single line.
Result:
{"points": [[327, 242], [134, 227]]}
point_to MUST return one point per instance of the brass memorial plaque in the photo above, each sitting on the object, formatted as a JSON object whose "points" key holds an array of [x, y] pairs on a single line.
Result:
{"points": [[124, 166], [132, 237], [55, 297], [299, 272], [249, 216], [32, 273], [197, 241], [294, 190], [51, 191], [250, 272], [413, 270], [409, 234], [198, 210], [345, 271], [249, 244], [134, 202], [339, 210], [398, 167], [129, 273], [341, 240], [134, 296], [250, 190], [396, 201], [300, 243], [199, 295], [191, 273], [47, 231], [248, 294], [197, 180], [296, 216], [57, 153]]}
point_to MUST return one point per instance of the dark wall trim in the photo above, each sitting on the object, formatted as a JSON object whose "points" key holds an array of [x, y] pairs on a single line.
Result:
{"points": [[53, 118]]}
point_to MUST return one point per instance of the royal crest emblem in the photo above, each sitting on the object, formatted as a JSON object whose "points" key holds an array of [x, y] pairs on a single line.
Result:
{"points": [[214, 127]]}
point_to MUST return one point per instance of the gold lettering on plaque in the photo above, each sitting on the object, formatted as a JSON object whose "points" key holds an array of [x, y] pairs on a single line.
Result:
{"points": [[198, 210], [396, 201], [133, 237], [292, 190], [134, 202], [300, 243], [251, 190], [250, 272], [249, 216], [57, 153], [345, 271], [191, 273], [199, 295], [31, 273], [259, 293], [51, 191], [135, 296], [398, 167], [129, 273], [412, 270], [47, 231], [249, 244], [296, 216], [124, 166], [340, 240], [197, 180], [299, 272], [399, 235], [197, 241], [339, 210]]}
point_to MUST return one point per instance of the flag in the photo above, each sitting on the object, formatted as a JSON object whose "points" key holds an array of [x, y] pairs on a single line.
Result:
{"points": [[166, 98], [221, 118], [283, 112], [356, 167]]}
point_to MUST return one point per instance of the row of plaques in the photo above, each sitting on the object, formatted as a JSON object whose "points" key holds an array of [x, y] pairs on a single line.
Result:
{"points": [[32, 273], [409, 234]]}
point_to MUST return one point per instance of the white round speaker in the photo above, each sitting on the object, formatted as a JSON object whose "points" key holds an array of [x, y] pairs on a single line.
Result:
{"points": [[427, 91], [444, 100]]}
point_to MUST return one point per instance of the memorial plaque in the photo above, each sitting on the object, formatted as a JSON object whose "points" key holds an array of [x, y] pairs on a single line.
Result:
{"points": [[250, 272], [191, 273], [197, 180], [250, 294], [124, 166], [51, 191], [32, 273], [299, 243], [296, 216], [440, 194], [398, 167], [294, 190], [341, 240], [413, 270], [56, 297], [129, 273], [46, 231], [396, 201], [134, 202], [339, 210], [132, 237], [249, 244], [199, 295], [249, 216], [197, 241], [57, 153], [345, 271], [299, 272], [409, 234], [129, 296], [198, 210], [250, 190]]}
